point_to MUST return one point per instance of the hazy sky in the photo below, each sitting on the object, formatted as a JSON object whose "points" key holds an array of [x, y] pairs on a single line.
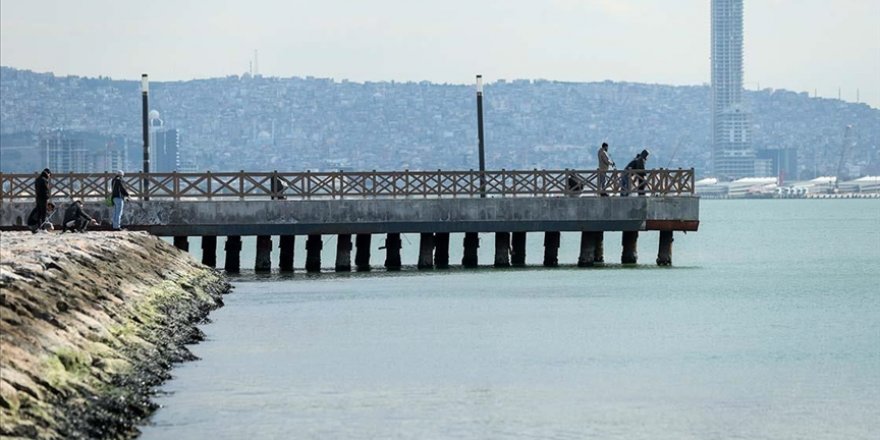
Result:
{"points": [[801, 45]]}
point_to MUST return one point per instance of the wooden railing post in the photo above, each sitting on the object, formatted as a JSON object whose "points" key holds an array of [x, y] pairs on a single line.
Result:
{"points": [[208, 186], [691, 180], [341, 184], [241, 185], [175, 185]]}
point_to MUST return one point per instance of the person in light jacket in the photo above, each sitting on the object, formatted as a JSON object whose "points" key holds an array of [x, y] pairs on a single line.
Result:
{"points": [[605, 163], [119, 196]]}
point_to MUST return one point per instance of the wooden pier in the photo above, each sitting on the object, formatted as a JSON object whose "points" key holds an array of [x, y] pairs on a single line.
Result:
{"points": [[278, 207]]}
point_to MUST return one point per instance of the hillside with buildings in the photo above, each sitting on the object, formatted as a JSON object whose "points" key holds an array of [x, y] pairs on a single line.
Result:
{"points": [[263, 123]]}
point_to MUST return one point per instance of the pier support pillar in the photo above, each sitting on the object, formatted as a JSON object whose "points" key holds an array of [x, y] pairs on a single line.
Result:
{"points": [[233, 256], [263, 262], [392, 251], [551, 248], [518, 251], [471, 244], [502, 249], [441, 250], [426, 251], [285, 245], [362, 255], [599, 256], [181, 242], [209, 250], [587, 256], [313, 253], [630, 247], [664, 254], [343, 253]]}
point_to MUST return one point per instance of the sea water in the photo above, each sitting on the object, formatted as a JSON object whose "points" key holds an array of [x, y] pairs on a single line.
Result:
{"points": [[766, 327]]}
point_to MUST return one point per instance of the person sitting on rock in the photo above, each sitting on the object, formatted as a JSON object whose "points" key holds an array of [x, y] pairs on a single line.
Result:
{"points": [[75, 219]]}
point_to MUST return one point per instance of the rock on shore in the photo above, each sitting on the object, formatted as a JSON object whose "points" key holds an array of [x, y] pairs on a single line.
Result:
{"points": [[89, 325]]}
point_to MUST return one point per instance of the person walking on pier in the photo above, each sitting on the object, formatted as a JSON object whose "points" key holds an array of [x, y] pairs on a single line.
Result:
{"points": [[41, 193], [278, 187], [605, 163], [119, 196], [75, 219], [639, 176]]}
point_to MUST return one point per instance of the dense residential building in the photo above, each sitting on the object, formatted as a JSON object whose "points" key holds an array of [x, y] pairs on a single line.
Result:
{"points": [[732, 153], [65, 153], [781, 163]]}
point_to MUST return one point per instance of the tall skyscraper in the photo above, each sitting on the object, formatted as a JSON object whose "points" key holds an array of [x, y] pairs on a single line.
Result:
{"points": [[167, 150], [732, 154], [164, 146]]}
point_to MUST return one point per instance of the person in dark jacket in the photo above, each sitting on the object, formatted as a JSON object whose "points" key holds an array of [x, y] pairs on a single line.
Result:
{"points": [[33, 220], [278, 187], [639, 176], [574, 184], [41, 193], [119, 196], [75, 219]]}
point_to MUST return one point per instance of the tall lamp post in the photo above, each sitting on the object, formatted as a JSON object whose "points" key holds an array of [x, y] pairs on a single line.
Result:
{"points": [[480, 136], [145, 91]]}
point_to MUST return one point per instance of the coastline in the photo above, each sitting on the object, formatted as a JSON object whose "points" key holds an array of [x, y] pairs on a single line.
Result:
{"points": [[90, 324]]}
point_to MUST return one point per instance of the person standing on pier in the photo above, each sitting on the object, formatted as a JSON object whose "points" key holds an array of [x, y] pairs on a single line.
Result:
{"points": [[278, 187], [639, 176], [605, 163], [41, 193], [119, 196]]}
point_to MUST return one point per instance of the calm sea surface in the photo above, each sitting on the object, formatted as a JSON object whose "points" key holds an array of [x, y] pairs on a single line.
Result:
{"points": [[768, 327]]}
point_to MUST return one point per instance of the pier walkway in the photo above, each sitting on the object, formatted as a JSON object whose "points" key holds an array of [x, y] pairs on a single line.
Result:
{"points": [[434, 204]]}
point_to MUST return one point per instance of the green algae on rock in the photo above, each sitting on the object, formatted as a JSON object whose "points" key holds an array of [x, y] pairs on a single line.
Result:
{"points": [[89, 325]]}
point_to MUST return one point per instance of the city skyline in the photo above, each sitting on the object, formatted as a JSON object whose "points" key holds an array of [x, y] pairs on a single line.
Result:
{"points": [[806, 46]]}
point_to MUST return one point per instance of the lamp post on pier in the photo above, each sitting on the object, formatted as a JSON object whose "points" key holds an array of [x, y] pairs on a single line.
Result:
{"points": [[145, 91], [480, 136]]}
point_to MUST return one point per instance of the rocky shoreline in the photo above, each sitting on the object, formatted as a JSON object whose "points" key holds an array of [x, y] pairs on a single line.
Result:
{"points": [[90, 324]]}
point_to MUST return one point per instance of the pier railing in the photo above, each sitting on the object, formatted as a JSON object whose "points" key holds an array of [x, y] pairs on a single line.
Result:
{"points": [[348, 185]]}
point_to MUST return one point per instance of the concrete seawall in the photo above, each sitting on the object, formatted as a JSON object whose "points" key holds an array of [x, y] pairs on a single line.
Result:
{"points": [[89, 325]]}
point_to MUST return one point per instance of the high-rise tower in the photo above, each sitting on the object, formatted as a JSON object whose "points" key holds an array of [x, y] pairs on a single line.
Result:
{"points": [[732, 154]]}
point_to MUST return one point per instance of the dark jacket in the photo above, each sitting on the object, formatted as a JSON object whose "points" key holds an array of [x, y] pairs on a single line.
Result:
{"points": [[75, 212], [33, 220], [636, 164], [41, 188], [119, 190]]}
